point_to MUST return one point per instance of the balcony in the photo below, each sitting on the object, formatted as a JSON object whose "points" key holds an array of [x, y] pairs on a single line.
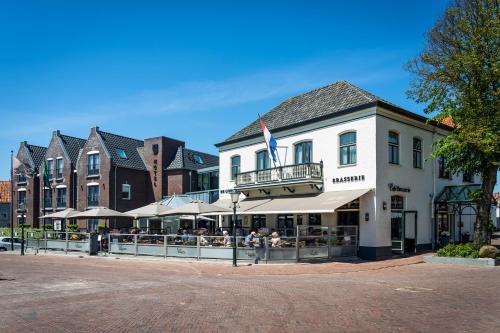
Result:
{"points": [[286, 175]]}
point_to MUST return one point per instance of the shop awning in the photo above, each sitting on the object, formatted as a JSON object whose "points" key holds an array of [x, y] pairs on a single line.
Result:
{"points": [[326, 202], [243, 205]]}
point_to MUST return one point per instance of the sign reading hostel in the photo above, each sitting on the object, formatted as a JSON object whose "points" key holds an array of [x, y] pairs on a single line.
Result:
{"points": [[348, 179]]}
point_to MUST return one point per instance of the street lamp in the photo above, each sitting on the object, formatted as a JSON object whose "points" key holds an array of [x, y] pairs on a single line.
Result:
{"points": [[235, 197], [22, 211]]}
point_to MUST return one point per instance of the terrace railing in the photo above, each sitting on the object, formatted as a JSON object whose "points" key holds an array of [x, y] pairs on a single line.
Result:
{"points": [[288, 173]]}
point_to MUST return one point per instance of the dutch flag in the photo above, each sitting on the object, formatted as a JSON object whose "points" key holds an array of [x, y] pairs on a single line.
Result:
{"points": [[270, 141]]}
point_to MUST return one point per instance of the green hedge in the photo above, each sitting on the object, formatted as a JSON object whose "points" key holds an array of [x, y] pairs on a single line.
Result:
{"points": [[467, 250]]}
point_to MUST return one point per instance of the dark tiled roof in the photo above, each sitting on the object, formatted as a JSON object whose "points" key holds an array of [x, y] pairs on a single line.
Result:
{"points": [[130, 147], [37, 154], [4, 191], [316, 104], [73, 146], [185, 159]]}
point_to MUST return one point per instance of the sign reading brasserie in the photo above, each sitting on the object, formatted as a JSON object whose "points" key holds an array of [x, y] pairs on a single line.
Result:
{"points": [[397, 188], [348, 179]]}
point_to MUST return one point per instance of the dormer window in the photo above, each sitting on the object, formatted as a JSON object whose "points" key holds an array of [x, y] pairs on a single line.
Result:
{"points": [[121, 153], [198, 159]]}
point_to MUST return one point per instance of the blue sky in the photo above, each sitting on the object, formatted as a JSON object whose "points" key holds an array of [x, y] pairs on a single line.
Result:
{"points": [[196, 71]]}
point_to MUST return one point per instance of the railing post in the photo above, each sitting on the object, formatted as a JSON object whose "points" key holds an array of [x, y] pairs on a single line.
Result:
{"points": [[266, 248], [297, 251], [329, 242], [135, 245], [45, 238], [198, 248], [66, 251], [165, 245], [109, 243], [89, 240]]}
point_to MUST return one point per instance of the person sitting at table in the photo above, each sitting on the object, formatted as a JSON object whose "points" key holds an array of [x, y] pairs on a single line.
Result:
{"points": [[227, 238], [250, 239], [275, 240], [203, 240], [185, 236]]}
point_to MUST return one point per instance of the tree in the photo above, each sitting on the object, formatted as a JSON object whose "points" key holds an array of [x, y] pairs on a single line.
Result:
{"points": [[457, 75]]}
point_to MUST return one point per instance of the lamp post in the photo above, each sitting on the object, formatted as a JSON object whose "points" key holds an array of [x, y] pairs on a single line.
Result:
{"points": [[22, 211], [235, 197]]}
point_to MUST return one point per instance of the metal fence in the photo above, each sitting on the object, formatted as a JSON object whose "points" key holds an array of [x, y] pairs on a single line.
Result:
{"points": [[308, 243]]}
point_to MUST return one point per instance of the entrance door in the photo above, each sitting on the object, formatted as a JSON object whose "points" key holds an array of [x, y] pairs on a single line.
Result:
{"points": [[410, 231], [397, 232]]}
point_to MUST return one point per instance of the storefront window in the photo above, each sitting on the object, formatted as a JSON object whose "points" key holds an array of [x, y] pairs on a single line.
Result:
{"points": [[258, 222], [348, 148], [314, 219]]}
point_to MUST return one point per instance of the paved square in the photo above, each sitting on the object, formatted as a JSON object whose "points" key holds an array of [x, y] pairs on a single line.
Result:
{"points": [[57, 293]]}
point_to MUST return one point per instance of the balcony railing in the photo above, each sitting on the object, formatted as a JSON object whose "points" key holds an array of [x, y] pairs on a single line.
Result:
{"points": [[209, 196], [288, 173]]}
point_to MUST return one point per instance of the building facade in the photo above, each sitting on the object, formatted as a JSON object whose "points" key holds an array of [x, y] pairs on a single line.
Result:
{"points": [[26, 182], [5, 203], [345, 157]]}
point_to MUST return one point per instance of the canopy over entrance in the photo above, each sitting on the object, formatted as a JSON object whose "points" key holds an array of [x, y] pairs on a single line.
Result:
{"points": [[457, 194], [326, 202]]}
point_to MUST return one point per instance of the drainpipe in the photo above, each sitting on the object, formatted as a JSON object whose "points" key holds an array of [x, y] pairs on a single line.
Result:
{"points": [[433, 211], [114, 220]]}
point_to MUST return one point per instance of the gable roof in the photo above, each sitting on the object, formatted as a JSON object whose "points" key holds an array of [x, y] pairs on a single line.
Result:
{"points": [[72, 146], [332, 100], [37, 154], [185, 159], [5, 191], [129, 145]]}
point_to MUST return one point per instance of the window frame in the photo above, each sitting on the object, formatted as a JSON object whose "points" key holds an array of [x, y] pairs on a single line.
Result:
{"points": [[233, 166], [129, 192], [268, 159], [349, 146], [393, 147], [50, 168], [442, 172], [58, 197], [417, 152], [96, 165], [59, 169], [402, 202], [89, 187], [301, 146]]}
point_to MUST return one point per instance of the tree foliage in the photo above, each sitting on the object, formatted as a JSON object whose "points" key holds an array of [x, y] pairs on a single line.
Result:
{"points": [[457, 76]]}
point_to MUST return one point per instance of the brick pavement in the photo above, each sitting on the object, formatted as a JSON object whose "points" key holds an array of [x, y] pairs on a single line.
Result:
{"points": [[72, 294]]}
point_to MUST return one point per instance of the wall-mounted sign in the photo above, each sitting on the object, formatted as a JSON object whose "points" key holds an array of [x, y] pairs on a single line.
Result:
{"points": [[348, 179], [397, 188]]}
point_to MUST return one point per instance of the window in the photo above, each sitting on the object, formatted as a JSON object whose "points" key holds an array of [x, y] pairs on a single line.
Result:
{"points": [[397, 202], [263, 160], [235, 166], [47, 197], [393, 148], [50, 167], [347, 148], [258, 222], [93, 196], [59, 168], [314, 219], [21, 200], [443, 173], [21, 178], [93, 164], [467, 177], [303, 152], [126, 191], [208, 181], [121, 153], [61, 198], [417, 153], [197, 159]]}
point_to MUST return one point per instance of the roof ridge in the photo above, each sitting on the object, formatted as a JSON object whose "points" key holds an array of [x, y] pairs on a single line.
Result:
{"points": [[73, 137], [122, 136], [201, 152], [30, 145]]}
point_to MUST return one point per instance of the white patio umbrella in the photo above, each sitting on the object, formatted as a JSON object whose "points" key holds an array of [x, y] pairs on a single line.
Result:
{"points": [[63, 214], [196, 208], [100, 213], [154, 209]]}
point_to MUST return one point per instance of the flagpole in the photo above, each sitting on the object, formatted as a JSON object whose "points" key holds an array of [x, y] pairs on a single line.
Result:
{"points": [[12, 200]]}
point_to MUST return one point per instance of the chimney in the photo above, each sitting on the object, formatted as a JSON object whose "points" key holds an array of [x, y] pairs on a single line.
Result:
{"points": [[56, 133]]}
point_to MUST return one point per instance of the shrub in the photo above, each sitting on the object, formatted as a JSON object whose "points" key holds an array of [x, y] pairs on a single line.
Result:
{"points": [[467, 250], [48, 226], [72, 227], [488, 251]]}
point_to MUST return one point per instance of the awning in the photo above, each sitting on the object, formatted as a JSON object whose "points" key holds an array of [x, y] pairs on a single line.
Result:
{"points": [[243, 205], [326, 202]]}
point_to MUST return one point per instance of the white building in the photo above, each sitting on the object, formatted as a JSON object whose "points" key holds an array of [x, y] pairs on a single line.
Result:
{"points": [[346, 157]]}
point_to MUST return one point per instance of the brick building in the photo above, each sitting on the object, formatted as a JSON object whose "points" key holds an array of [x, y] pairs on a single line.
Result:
{"points": [[26, 192], [5, 203], [110, 170]]}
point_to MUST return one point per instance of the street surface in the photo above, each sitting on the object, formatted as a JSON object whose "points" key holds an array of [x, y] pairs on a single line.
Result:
{"points": [[58, 293]]}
